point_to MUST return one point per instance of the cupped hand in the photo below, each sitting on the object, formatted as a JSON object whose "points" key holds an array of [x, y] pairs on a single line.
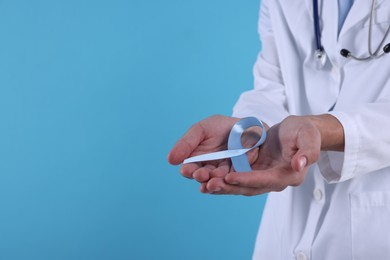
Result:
{"points": [[206, 136], [282, 161]]}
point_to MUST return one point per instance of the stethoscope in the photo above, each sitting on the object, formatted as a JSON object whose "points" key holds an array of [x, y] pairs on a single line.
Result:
{"points": [[320, 52]]}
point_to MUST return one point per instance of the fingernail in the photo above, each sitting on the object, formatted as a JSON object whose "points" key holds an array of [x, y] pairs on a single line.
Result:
{"points": [[217, 189], [302, 163]]}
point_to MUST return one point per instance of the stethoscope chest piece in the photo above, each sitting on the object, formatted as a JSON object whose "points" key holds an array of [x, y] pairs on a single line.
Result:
{"points": [[321, 57]]}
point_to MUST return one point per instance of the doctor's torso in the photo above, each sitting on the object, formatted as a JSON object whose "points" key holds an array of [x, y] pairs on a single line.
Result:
{"points": [[319, 220], [340, 80]]}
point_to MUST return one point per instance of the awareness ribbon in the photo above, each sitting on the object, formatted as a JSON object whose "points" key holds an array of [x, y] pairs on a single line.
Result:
{"points": [[236, 152]]}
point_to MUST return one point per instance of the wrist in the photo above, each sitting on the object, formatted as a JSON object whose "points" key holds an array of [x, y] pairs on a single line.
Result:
{"points": [[331, 131]]}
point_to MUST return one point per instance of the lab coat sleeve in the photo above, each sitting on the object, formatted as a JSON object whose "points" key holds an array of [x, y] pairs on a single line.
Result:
{"points": [[267, 101], [367, 142]]}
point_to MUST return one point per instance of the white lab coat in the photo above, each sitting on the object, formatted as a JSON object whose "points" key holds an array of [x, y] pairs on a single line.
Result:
{"points": [[342, 210]]}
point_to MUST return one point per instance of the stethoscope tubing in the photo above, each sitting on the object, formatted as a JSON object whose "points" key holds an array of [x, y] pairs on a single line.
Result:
{"points": [[344, 52], [317, 30]]}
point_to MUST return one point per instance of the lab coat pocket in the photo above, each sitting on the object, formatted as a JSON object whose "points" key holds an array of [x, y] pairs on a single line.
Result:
{"points": [[370, 225]]}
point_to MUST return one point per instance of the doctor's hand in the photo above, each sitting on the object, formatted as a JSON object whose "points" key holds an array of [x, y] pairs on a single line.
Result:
{"points": [[283, 160], [206, 136]]}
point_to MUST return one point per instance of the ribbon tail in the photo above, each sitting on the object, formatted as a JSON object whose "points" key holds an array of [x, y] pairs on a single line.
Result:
{"points": [[216, 156]]}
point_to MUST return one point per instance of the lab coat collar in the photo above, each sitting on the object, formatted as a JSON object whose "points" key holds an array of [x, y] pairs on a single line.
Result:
{"points": [[360, 10]]}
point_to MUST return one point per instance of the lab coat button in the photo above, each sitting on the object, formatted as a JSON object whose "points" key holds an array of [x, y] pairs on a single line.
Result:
{"points": [[301, 256], [317, 194]]}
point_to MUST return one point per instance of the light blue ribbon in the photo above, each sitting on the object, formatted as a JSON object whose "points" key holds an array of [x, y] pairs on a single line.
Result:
{"points": [[236, 152]]}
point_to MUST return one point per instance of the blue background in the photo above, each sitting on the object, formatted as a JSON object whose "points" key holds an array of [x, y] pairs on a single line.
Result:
{"points": [[93, 94]]}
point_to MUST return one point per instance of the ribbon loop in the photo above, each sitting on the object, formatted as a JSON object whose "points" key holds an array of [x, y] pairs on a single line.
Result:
{"points": [[236, 152]]}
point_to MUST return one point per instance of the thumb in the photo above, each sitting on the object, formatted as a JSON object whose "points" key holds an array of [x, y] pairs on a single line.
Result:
{"points": [[309, 148], [186, 145], [298, 163]]}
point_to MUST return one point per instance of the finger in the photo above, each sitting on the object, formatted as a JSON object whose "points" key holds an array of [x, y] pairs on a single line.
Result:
{"points": [[203, 188], [187, 170], [270, 180], [253, 155], [223, 168], [218, 186], [186, 145], [203, 174]]}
